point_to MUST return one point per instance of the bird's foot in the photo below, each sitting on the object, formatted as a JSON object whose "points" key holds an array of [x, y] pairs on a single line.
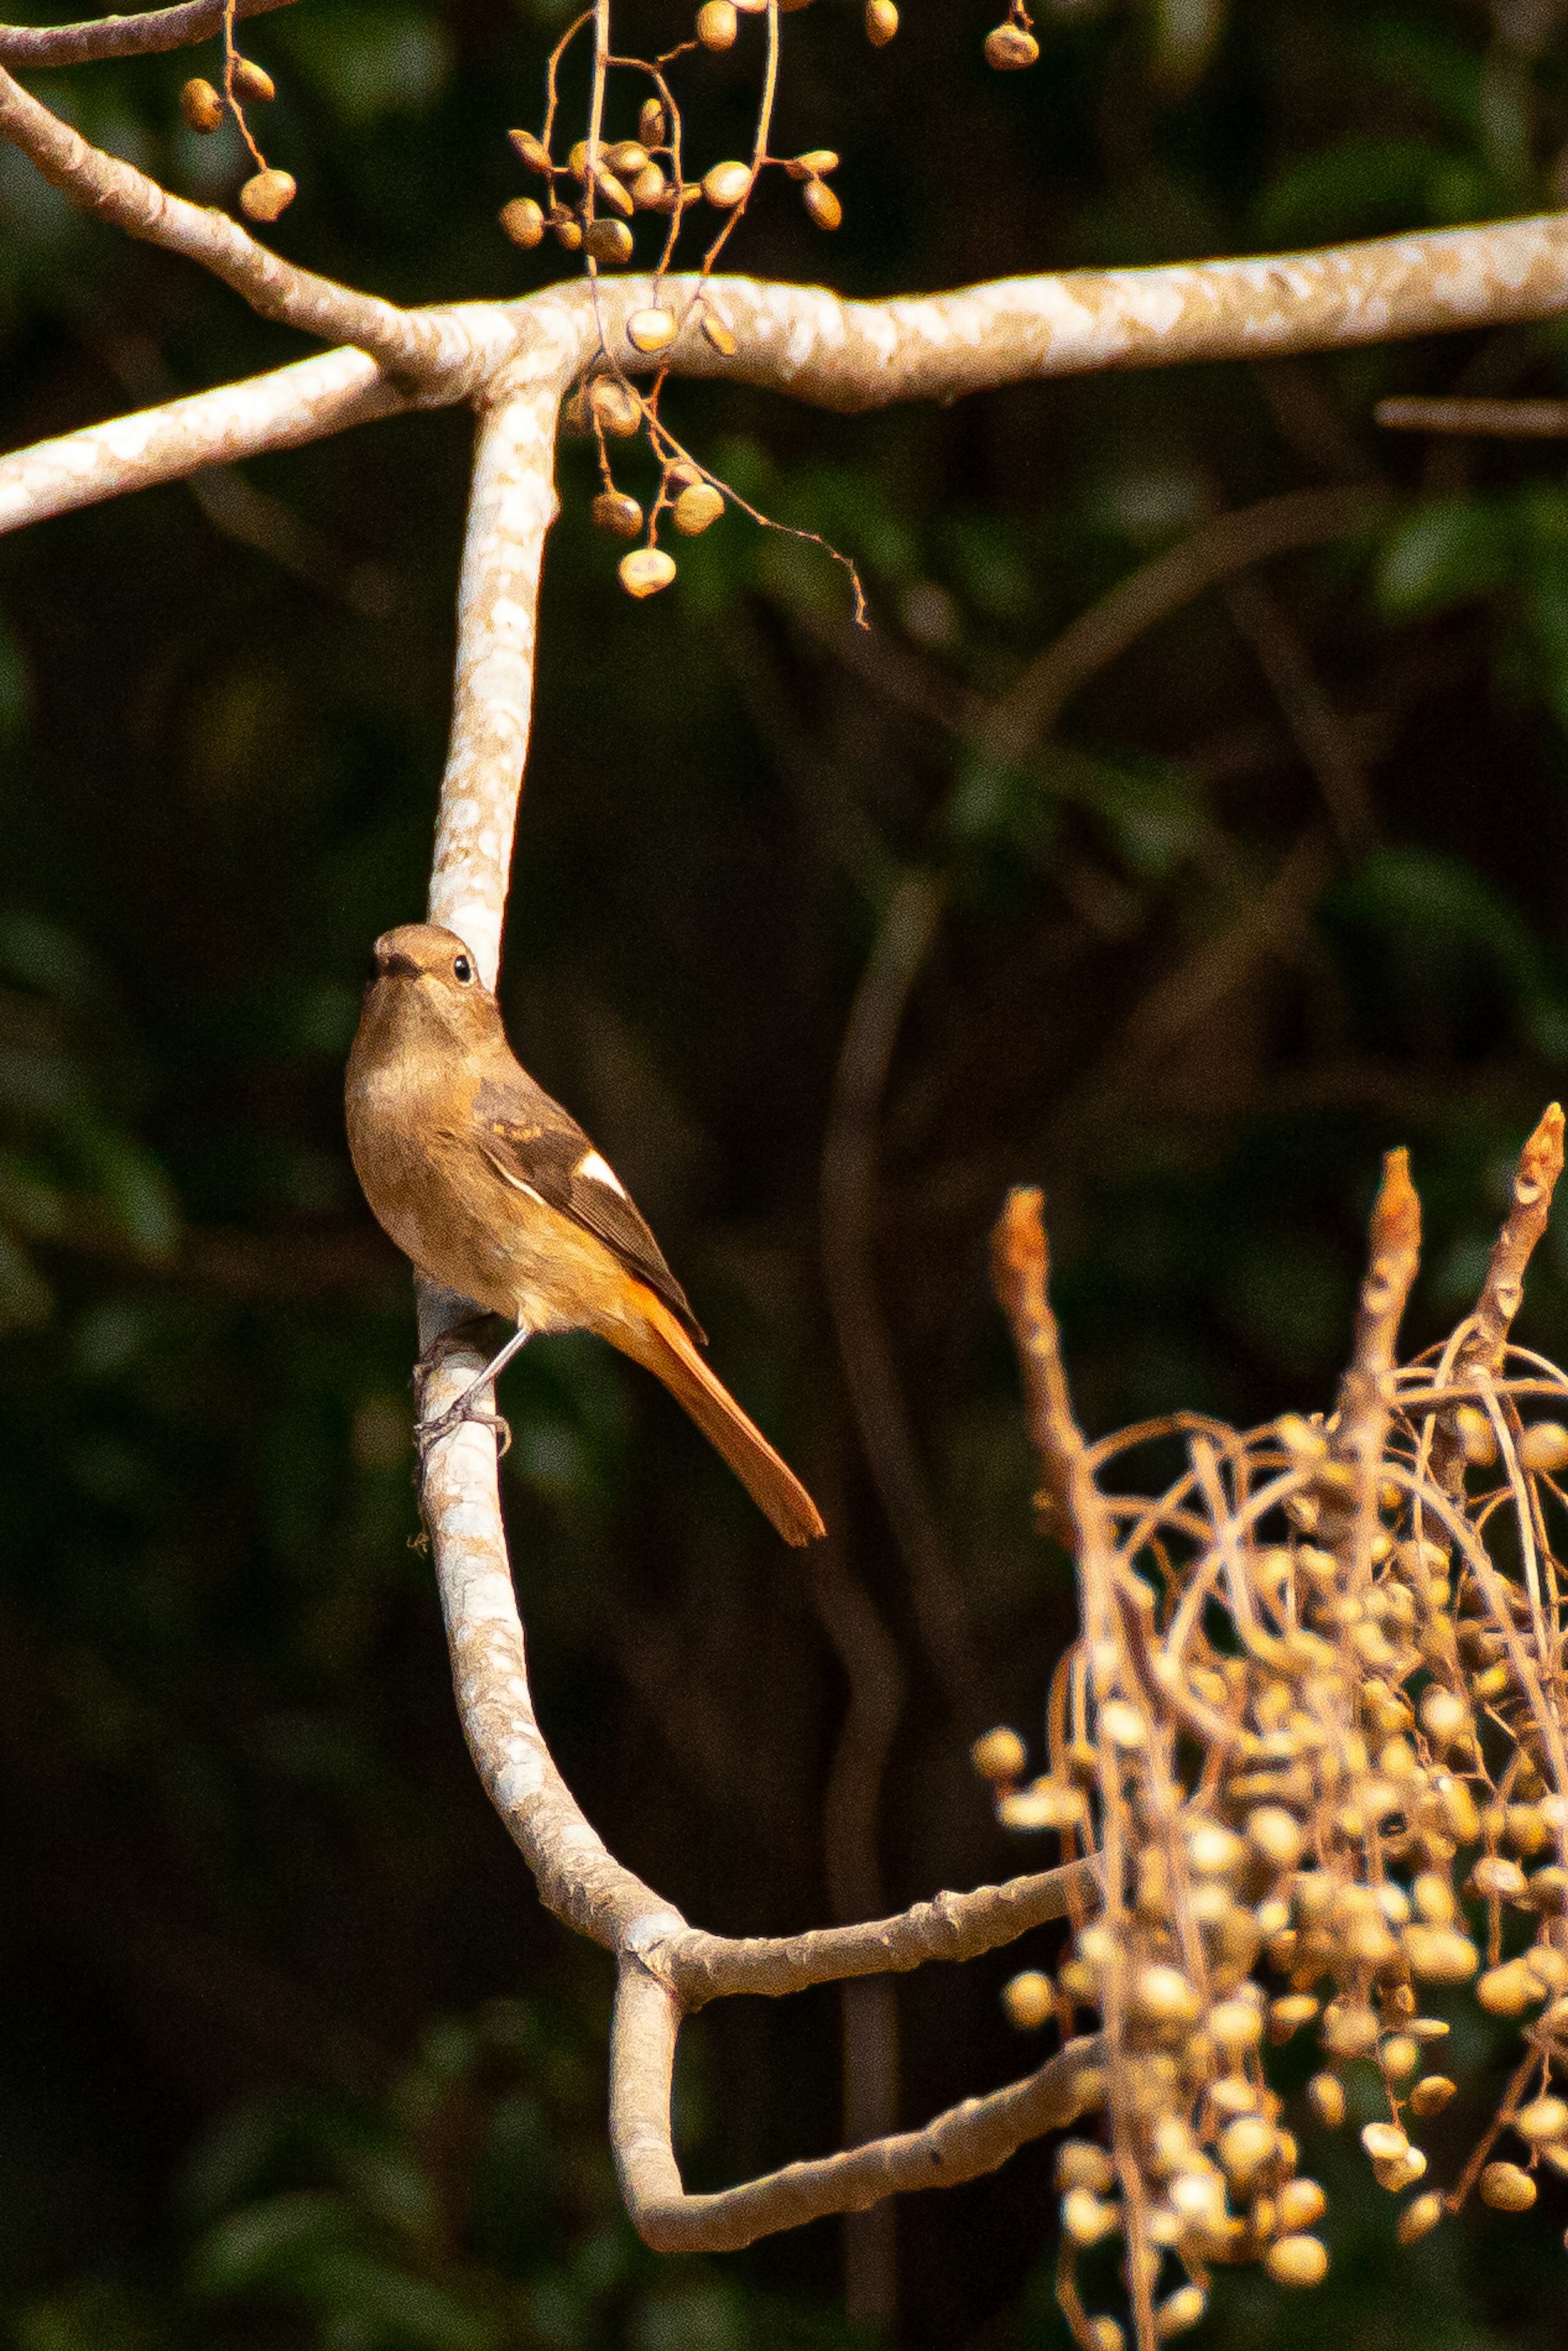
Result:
{"points": [[427, 1434]]}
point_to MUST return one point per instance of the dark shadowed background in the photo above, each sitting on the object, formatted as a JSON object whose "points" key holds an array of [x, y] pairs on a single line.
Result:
{"points": [[288, 2054]]}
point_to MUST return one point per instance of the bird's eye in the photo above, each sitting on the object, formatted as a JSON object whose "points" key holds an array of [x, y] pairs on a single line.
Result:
{"points": [[462, 969]]}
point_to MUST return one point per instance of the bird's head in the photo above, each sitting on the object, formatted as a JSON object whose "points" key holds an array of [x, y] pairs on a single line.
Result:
{"points": [[425, 977]]}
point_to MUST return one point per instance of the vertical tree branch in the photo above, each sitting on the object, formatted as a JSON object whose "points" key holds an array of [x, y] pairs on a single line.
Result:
{"points": [[512, 508]]}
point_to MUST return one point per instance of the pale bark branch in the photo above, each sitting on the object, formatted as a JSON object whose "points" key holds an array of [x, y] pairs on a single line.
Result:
{"points": [[511, 508], [310, 400], [422, 347], [815, 346], [959, 2145], [30, 46]]}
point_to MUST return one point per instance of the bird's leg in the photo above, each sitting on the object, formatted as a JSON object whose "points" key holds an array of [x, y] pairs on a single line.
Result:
{"points": [[430, 1432]]}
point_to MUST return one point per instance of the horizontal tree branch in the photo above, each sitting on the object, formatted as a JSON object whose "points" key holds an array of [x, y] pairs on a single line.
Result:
{"points": [[29, 46], [310, 400], [959, 2145], [803, 340]]}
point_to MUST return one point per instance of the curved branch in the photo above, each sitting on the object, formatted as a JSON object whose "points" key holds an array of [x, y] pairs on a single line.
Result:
{"points": [[1215, 552], [31, 45], [959, 2145], [423, 346]]}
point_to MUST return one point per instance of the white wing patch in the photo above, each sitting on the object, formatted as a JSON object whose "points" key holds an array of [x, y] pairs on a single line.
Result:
{"points": [[517, 1183], [599, 1171]]}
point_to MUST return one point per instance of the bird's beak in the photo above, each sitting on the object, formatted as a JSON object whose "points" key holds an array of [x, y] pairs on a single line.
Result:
{"points": [[398, 967]]}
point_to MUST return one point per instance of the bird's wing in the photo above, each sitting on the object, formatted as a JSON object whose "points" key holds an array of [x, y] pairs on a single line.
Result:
{"points": [[531, 1140]]}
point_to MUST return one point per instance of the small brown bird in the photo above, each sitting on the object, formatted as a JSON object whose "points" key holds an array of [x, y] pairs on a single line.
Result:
{"points": [[489, 1187]]}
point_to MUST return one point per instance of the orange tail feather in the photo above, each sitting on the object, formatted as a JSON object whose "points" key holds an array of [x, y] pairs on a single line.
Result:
{"points": [[664, 1349]]}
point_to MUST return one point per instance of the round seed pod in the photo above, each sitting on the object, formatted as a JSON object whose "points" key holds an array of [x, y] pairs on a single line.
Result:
{"points": [[694, 510], [1213, 1851], [1161, 1995], [725, 184], [1547, 1965], [1326, 2095], [531, 152], [680, 476], [721, 337], [1385, 2142], [1420, 2216], [568, 233], [1027, 2000], [716, 25], [1439, 1954], [652, 127], [614, 407], [1400, 2056], [268, 196], [524, 221], [822, 204], [1084, 2219], [251, 81], [1444, 1716], [1528, 1831], [1081, 2164], [1288, 2014], [1008, 48], [1296, 2260], [628, 156], [1179, 2310], [576, 159], [1104, 2333], [1045, 1804], [1431, 2094], [998, 1754], [608, 242], [1545, 1446], [622, 516], [1477, 1439], [1298, 2203], [881, 22], [650, 331], [1299, 1437], [812, 164], [1402, 2172], [614, 192], [1542, 2119], [1274, 1837], [649, 188], [1508, 1991], [1506, 2189], [1246, 2144], [645, 571], [1494, 1875], [1460, 1817], [201, 106], [1122, 1725], [1349, 2029], [1236, 2026]]}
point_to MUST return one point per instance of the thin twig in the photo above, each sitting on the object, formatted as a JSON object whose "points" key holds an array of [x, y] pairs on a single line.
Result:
{"points": [[1503, 419]]}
